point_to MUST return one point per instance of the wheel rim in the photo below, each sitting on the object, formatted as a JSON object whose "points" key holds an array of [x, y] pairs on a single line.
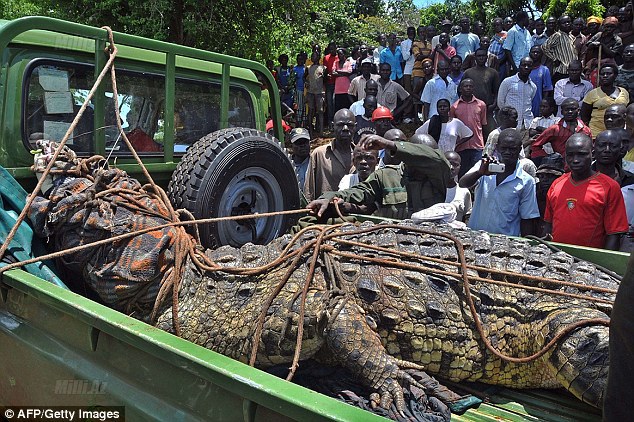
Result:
{"points": [[253, 190]]}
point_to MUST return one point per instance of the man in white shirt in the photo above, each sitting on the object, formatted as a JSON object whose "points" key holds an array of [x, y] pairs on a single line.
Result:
{"points": [[371, 88], [445, 27], [440, 86], [408, 58]]}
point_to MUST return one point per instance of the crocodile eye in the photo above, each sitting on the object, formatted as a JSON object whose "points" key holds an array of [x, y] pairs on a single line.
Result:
{"points": [[438, 283], [435, 310], [368, 290], [246, 290]]}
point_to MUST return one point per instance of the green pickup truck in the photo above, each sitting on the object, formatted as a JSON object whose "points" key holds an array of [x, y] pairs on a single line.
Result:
{"points": [[61, 348]]}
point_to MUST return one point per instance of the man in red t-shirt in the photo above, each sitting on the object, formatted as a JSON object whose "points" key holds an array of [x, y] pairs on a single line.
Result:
{"points": [[329, 63], [584, 207]]}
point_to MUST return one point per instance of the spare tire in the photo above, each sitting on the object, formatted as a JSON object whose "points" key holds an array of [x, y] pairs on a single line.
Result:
{"points": [[236, 171]]}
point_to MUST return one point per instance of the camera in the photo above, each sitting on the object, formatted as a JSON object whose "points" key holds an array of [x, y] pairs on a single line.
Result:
{"points": [[496, 167]]}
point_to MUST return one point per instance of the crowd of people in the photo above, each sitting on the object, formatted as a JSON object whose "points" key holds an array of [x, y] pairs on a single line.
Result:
{"points": [[533, 120]]}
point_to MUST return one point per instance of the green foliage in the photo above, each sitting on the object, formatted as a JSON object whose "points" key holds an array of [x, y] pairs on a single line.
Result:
{"points": [[12, 9], [372, 26], [574, 8], [262, 29], [437, 12], [368, 7], [585, 8]]}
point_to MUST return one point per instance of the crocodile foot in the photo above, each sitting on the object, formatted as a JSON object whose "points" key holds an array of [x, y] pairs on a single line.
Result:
{"points": [[359, 349]]}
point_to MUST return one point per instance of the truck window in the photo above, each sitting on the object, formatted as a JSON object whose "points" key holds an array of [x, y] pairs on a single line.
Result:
{"points": [[56, 90], [197, 111], [141, 104], [54, 94]]}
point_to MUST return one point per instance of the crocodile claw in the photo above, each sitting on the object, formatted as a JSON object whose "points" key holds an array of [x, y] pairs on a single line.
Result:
{"points": [[391, 387]]}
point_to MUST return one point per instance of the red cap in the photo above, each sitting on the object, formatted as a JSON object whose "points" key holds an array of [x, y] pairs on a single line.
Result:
{"points": [[285, 126]]}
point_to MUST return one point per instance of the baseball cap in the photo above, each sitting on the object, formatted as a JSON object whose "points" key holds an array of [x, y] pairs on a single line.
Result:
{"points": [[446, 22], [299, 133]]}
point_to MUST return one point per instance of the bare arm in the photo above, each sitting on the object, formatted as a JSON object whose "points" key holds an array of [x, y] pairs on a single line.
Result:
{"points": [[510, 61], [470, 179], [612, 242], [586, 112], [404, 105], [442, 53], [547, 233], [527, 227], [425, 111]]}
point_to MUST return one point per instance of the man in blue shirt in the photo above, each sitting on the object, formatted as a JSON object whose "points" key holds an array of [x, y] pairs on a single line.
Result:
{"points": [[299, 78], [517, 44], [465, 42], [392, 55], [505, 202]]}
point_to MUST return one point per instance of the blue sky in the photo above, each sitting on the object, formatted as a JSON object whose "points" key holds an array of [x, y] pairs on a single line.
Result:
{"points": [[423, 3]]}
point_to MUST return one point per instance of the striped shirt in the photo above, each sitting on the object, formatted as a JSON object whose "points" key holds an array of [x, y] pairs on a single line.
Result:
{"points": [[496, 45], [518, 94], [561, 46], [564, 88]]}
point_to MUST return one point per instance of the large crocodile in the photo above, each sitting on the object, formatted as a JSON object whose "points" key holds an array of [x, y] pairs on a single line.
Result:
{"points": [[393, 317], [375, 317]]}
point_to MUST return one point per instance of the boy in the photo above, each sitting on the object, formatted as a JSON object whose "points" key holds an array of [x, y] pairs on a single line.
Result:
{"points": [[473, 113], [546, 118]]}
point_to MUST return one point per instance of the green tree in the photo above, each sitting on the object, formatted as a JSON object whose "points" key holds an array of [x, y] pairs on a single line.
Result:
{"points": [[12, 9]]}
